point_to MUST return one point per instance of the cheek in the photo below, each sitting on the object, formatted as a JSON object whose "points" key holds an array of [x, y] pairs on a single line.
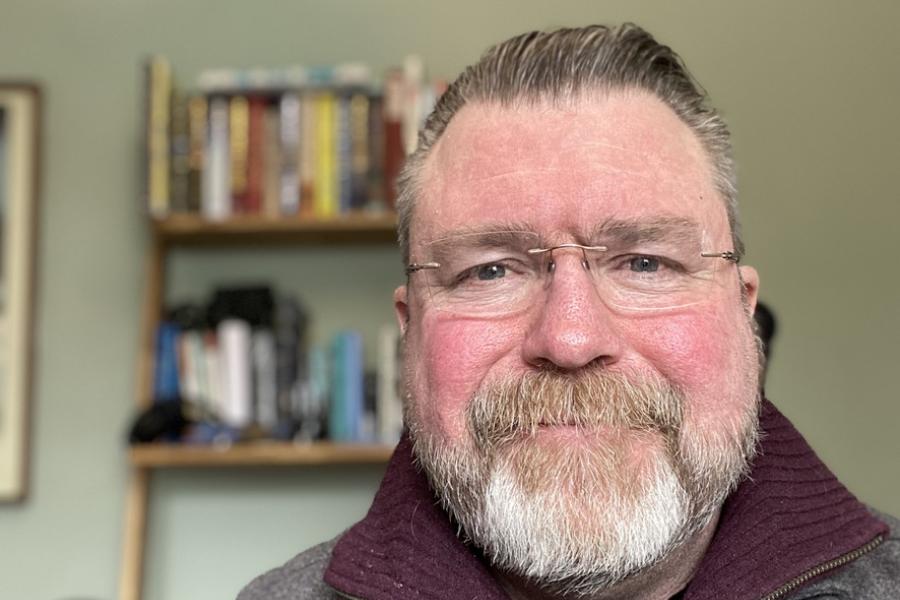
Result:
{"points": [[453, 358], [710, 359]]}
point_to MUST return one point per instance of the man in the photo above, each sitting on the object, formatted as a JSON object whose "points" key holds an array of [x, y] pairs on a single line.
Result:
{"points": [[581, 372]]}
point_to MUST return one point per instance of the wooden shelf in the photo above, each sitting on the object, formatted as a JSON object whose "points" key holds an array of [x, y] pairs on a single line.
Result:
{"points": [[257, 454], [192, 229]]}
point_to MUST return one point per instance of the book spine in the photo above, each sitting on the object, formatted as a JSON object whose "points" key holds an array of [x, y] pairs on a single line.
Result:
{"points": [[180, 155], [290, 147], [214, 397], [197, 132], [271, 163], [308, 155], [354, 388], [160, 98], [388, 409], [343, 152], [359, 151], [255, 155], [216, 178], [234, 362], [264, 376], [326, 193], [376, 181], [393, 135], [166, 386], [338, 418], [239, 146]]}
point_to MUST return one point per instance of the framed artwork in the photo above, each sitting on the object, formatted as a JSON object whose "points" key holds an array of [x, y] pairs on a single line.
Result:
{"points": [[20, 116]]}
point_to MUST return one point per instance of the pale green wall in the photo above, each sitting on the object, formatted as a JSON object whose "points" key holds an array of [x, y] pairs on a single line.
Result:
{"points": [[812, 92]]}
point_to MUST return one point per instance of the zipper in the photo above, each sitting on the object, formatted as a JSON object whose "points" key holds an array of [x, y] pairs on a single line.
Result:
{"points": [[823, 568], [790, 585], [342, 594]]}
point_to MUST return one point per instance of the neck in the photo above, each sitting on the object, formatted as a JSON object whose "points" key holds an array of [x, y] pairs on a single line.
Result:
{"points": [[659, 582]]}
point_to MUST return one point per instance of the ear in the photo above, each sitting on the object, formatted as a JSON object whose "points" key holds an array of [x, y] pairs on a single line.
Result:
{"points": [[401, 308], [750, 281]]}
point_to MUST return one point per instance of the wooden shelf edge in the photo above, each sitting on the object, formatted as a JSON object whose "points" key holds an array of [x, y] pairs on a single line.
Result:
{"points": [[185, 226], [257, 454]]}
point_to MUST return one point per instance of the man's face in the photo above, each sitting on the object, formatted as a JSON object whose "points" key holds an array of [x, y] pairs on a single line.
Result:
{"points": [[561, 172]]}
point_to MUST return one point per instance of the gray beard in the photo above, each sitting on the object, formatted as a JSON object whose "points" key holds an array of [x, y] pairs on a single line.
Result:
{"points": [[577, 518]]}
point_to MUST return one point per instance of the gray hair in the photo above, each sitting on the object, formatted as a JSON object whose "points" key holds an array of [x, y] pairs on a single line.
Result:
{"points": [[560, 64]]}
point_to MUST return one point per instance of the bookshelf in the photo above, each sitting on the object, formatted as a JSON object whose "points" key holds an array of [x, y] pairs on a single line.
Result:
{"points": [[300, 158], [257, 454], [186, 230]]}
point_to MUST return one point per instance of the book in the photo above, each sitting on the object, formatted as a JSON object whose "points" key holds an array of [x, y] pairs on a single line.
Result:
{"points": [[179, 195], [271, 202], [265, 399], [238, 150], [234, 338], [158, 82], [342, 153], [166, 385], [253, 197], [347, 388], [388, 403], [216, 201], [376, 187], [308, 154], [326, 193], [359, 152], [197, 132], [289, 107], [392, 117]]}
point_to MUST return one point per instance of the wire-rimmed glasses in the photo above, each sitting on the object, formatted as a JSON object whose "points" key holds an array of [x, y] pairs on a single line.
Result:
{"points": [[503, 272]]}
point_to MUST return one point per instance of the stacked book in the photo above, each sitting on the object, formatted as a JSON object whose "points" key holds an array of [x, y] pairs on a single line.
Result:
{"points": [[280, 143], [241, 367]]}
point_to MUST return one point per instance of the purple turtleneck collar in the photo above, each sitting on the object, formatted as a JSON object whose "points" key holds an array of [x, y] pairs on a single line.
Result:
{"points": [[791, 515]]}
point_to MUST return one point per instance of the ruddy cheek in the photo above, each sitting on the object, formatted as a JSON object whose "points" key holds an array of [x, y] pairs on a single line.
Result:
{"points": [[457, 355], [696, 353]]}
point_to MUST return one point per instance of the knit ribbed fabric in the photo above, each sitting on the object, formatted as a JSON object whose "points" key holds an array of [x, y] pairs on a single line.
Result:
{"points": [[791, 515]]}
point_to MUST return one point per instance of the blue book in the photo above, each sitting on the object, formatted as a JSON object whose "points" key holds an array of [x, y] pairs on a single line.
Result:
{"points": [[338, 428], [353, 385], [347, 389], [166, 387]]}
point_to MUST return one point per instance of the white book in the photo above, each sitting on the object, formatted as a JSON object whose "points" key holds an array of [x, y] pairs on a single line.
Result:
{"points": [[290, 147], [236, 374], [264, 378], [216, 190], [388, 403]]}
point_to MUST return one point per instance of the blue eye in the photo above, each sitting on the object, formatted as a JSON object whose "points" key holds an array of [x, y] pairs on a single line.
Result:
{"points": [[644, 264], [490, 272]]}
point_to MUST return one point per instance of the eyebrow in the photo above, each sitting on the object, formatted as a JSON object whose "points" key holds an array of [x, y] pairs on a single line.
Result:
{"points": [[637, 231], [611, 231], [491, 234]]}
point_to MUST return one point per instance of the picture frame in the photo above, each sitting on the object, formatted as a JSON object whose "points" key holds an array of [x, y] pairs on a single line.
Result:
{"points": [[20, 132]]}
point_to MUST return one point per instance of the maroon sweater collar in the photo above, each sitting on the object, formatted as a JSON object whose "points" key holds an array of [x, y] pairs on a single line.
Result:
{"points": [[791, 515]]}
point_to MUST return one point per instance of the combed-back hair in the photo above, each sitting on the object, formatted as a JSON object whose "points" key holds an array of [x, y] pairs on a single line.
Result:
{"points": [[559, 65]]}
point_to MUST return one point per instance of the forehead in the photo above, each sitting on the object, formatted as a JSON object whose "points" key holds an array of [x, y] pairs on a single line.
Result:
{"points": [[563, 168]]}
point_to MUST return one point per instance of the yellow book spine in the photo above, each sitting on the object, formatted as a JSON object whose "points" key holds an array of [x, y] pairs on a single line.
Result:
{"points": [[326, 175], [158, 142], [239, 143]]}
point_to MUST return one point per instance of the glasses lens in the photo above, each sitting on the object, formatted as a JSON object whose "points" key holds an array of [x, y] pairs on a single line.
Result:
{"points": [[494, 274], [483, 274], [657, 273]]}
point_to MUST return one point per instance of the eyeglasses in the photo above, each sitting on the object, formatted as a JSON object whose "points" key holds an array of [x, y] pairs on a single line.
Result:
{"points": [[501, 273]]}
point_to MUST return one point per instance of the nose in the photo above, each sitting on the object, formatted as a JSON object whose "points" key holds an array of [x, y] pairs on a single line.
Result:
{"points": [[573, 328]]}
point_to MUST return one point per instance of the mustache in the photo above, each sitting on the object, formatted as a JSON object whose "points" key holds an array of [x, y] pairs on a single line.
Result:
{"points": [[508, 409]]}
